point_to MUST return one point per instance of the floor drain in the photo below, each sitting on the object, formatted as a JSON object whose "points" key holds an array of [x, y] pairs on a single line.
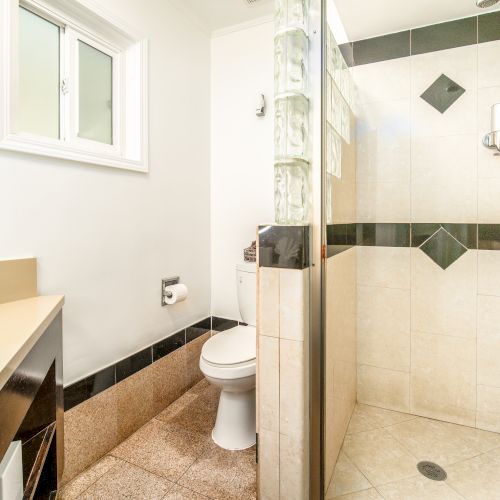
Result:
{"points": [[432, 471]]}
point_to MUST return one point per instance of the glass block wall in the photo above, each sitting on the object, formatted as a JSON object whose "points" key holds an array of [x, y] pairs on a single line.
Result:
{"points": [[292, 149], [339, 106]]}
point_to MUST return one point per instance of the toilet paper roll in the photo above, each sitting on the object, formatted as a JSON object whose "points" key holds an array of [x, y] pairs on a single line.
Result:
{"points": [[179, 293]]}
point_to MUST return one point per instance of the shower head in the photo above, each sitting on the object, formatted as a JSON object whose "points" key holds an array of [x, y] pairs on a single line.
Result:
{"points": [[484, 4]]}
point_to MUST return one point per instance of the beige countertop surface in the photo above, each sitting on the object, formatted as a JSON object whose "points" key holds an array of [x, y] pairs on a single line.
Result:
{"points": [[22, 323]]}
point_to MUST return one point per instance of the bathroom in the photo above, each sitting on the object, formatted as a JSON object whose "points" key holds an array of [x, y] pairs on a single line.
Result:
{"points": [[248, 249]]}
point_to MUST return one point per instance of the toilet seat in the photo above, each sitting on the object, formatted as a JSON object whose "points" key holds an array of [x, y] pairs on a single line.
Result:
{"points": [[230, 354]]}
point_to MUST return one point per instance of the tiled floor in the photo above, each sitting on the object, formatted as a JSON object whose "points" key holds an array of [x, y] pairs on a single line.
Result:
{"points": [[382, 448], [171, 457]]}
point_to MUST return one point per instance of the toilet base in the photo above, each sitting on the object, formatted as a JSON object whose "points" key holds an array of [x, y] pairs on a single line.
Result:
{"points": [[235, 425]]}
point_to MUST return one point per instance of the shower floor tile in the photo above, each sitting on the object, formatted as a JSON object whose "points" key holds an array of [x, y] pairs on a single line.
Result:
{"points": [[382, 448], [171, 457]]}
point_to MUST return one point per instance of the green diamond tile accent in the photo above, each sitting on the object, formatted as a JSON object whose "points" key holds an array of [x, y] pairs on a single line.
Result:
{"points": [[442, 93], [443, 248]]}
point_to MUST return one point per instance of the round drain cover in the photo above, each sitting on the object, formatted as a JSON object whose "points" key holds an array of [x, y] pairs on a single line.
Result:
{"points": [[432, 471]]}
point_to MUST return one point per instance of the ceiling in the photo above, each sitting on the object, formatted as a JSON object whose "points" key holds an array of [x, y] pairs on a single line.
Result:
{"points": [[215, 15], [367, 18]]}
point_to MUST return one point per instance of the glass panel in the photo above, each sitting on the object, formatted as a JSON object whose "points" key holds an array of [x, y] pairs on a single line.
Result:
{"points": [[38, 75], [95, 99]]}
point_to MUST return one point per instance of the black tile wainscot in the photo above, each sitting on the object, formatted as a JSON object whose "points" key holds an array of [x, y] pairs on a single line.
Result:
{"points": [[92, 385], [442, 36]]}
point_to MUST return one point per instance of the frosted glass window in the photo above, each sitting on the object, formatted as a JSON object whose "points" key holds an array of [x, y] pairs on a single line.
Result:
{"points": [[38, 75], [95, 99]]}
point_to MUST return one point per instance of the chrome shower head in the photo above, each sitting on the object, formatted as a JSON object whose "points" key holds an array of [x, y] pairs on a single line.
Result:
{"points": [[484, 4]]}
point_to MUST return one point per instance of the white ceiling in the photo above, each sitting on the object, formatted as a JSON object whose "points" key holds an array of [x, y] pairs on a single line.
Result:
{"points": [[215, 15], [367, 18]]}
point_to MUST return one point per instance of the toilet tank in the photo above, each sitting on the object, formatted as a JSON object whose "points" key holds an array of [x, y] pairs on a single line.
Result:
{"points": [[246, 283]]}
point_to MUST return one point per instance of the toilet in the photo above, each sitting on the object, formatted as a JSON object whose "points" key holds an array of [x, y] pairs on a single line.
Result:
{"points": [[228, 361]]}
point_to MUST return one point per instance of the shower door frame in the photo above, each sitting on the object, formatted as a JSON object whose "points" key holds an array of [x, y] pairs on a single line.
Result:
{"points": [[317, 82]]}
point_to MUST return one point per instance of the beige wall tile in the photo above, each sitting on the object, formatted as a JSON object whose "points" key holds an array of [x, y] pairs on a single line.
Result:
{"points": [[444, 164], [487, 161], [444, 301], [293, 388], [488, 204], [90, 431], [488, 366], [488, 68], [443, 378], [294, 286], [383, 81], [488, 408], [268, 300], [488, 316], [384, 388], [294, 468], [269, 383], [459, 64], [383, 201], [383, 266], [344, 206], [384, 327], [383, 142], [488, 272], [269, 465]]}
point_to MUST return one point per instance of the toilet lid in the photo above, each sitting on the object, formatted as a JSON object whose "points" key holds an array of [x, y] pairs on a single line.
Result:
{"points": [[233, 346]]}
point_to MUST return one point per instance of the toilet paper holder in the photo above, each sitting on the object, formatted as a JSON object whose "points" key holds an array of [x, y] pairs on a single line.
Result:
{"points": [[175, 280]]}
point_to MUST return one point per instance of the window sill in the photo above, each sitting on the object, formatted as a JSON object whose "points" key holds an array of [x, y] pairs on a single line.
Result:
{"points": [[65, 152]]}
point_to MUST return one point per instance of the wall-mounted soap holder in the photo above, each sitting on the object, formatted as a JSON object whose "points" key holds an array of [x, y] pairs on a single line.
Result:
{"points": [[492, 140], [175, 280]]}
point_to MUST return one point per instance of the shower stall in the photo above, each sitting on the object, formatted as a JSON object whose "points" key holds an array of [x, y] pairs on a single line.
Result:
{"points": [[410, 332]]}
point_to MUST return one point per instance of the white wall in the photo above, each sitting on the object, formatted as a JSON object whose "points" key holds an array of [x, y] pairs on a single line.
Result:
{"points": [[105, 238], [242, 154]]}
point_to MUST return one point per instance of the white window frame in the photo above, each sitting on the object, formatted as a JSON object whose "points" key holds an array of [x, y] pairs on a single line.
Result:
{"points": [[81, 20]]}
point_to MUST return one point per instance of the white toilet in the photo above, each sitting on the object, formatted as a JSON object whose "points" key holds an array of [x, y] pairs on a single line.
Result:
{"points": [[228, 361]]}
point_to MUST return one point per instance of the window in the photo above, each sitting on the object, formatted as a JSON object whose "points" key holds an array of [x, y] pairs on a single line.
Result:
{"points": [[73, 90]]}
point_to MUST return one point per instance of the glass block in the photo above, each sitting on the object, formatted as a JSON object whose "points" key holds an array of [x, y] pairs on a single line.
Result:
{"points": [[333, 152], [290, 61], [345, 89], [291, 126], [329, 104], [337, 104], [337, 60], [38, 75], [291, 188], [291, 13]]}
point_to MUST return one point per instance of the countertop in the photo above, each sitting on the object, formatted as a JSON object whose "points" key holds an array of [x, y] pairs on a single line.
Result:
{"points": [[22, 323]]}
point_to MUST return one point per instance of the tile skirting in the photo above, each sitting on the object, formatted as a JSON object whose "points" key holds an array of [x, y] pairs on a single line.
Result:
{"points": [[448, 35], [98, 382]]}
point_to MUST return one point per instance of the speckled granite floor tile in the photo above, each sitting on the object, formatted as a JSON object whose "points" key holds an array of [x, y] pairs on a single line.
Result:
{"points": [[164, 449], [223, 474], [127, 481]]}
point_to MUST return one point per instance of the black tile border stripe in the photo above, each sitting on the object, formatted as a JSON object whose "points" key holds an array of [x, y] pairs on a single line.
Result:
{"points": [[340, 237], [90, 386], [448, 35]]}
